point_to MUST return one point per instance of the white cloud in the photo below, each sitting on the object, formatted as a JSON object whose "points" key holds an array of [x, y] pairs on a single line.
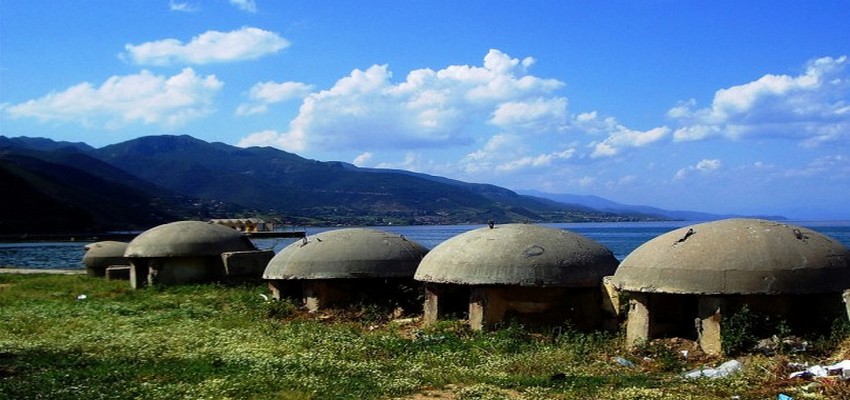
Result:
{"points": [[541, 114], [264, 94], [494, 120], [363, 159], [540, 160], [448, 107], [506, 153], [292, 142], [619, 136], [182, 6], [120, 100], [813, 107], [704, 166], [245, 5], [209, 47], [707, 165]]}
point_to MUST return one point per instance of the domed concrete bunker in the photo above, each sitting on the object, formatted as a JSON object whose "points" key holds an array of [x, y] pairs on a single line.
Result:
{"points": [[533, 273], [682, 283], [193, 251], [344, 266], [102, 255]]}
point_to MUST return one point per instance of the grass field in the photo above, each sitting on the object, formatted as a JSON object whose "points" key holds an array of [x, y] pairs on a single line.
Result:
{"points": [[219, 342]]}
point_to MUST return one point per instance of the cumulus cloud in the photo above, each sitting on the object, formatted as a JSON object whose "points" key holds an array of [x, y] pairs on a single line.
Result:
{"points": [[363, 159], [813, 107], [535, 161], [618, 137], [209, 47], [703, 166], [264, 94], [120, 100], [505, 153], [537, 115], [429, 108], [245, 5]]}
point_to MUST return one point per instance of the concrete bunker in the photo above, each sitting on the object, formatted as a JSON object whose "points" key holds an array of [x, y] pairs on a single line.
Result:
{"points": [[347, 266], [685, 282], [100, 256], [193, 251], [533, 274]]}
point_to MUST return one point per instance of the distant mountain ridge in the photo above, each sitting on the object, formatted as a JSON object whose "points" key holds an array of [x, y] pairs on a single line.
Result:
{"points": [[48, 191], [602, 204], [65, 190], [274, 181], [151, 179]]}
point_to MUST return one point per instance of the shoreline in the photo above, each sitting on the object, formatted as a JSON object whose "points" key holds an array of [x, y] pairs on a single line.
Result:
{"points": [[125, 237], [29, 271]]}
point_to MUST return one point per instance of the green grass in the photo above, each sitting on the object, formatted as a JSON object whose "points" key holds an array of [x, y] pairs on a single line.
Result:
{"points": [[218, 342]]}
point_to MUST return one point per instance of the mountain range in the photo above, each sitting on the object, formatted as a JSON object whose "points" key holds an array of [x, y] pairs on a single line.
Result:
{"points": [[70, 186]]}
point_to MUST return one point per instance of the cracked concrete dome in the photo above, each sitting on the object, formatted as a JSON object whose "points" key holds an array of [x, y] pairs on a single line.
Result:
{"points": [[187, 239], [518, 254], [737, 256], [347, 253], [104, 254]]}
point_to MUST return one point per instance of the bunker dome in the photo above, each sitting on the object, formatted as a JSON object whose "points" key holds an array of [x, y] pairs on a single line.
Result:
{"points": [[705, 270], [344, 266], [101, 255], [529, 272], [192, 251]]}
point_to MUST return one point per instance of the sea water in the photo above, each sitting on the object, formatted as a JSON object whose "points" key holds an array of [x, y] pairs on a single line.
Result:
{"points": [[620, 237]]}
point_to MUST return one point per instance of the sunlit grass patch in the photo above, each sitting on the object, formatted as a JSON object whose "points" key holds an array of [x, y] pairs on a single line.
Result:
{"points": [[222, 341]]}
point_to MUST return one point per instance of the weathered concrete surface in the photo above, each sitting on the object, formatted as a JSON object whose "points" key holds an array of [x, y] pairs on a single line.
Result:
{"points": [[488, 305], [709, 334], [249, 263], [518, 254], [281, 289], [737, 256], [485, 309], [183, 252], [442, 300], [185, 270], [176, 270], [118, 272], [187, 239], [319, 294], [610, 300], [431, 308], [139, 274], [638, 323], [347, 254], [100, 255]]}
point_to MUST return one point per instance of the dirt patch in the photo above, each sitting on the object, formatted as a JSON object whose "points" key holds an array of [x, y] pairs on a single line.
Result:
{"points": [[444, 393], [452, 392]]}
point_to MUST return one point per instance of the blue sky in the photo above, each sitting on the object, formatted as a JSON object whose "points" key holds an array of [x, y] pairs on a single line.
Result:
{"points": [[715, 106]]}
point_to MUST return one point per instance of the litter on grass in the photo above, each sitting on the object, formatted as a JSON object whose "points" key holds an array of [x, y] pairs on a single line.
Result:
{"points": [[841, 369], [728, 368]]}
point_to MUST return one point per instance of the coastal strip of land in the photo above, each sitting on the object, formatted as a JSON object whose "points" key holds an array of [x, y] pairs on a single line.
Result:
{"points": [[42, 271]]}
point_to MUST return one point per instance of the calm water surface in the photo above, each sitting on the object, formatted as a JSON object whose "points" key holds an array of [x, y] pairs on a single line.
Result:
{"points": [[621, 238]]}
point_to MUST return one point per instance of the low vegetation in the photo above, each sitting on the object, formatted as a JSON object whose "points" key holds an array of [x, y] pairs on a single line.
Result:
{"points": [[85, 338]]}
